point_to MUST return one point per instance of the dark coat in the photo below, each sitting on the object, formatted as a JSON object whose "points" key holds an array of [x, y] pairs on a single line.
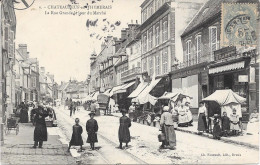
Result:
{"points": [[216, 128], [92, 128], [225, 123], [40, 131], [123, 132], [76, 138], [24, 114]]}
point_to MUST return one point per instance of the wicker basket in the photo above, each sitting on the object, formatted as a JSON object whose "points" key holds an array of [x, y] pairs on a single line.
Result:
{"points": [[49, 123]]}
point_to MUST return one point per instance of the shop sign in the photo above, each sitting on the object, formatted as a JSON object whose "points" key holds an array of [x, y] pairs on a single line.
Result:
{"points": [[243, 78], [224, 53], [204, 78]]}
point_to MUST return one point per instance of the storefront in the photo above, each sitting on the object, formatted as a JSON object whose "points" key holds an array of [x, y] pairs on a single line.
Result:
{"points": [[191, 81], [231, 70]]}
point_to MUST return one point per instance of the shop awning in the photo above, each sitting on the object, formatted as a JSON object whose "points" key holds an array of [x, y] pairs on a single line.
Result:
{"points": [[138, 90], [168, 95], [115, 89], [94, 97], [228, 67], [144, 96], [107, 92], [123, 89], [224, 97]]}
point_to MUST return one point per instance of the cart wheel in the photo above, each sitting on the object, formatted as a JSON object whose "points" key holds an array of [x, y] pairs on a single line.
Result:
{"points": [[17, 129]]}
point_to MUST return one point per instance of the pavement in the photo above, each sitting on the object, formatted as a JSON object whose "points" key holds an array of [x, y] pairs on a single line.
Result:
{"points": [[251, 141], [17, 149], [144, 145]]}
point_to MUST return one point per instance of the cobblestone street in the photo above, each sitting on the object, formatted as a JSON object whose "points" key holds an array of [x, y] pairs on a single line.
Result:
{"points": [[18, 148]]}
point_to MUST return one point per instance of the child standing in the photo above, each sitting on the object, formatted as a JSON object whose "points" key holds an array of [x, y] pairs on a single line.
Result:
{"points": [[216, 128], [225, 124], [234, 125], [76, 139], [92, 128]]}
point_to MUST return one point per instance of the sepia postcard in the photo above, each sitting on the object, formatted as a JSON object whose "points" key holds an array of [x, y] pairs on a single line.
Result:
{"points": [[129, 82]]}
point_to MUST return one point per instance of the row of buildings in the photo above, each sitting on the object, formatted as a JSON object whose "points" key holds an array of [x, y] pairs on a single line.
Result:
{"points": [[182, 46], [21, 77]]}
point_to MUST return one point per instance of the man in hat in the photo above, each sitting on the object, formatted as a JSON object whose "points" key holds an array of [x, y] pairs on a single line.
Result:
{"points": [[167, 125], [123, 132], [92, 128]]}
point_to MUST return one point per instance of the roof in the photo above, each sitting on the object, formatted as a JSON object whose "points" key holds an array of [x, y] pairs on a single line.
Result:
{"points": [[209, 10]]}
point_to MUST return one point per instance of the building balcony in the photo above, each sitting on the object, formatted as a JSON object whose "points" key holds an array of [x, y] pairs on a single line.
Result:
{"points": [[193, 61], [130, 74]]}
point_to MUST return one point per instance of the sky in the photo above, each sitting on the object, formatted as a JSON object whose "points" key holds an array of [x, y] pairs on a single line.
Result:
{"points": [[62, 43]]}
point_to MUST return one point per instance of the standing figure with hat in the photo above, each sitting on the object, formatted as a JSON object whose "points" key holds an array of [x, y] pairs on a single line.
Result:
{"points": [[40, 131], [92, 128], [216, 128], [167, 125], [123, 132]]}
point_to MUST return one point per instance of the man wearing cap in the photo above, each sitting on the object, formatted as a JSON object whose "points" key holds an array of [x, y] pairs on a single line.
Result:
{"points": [[167, 125]]}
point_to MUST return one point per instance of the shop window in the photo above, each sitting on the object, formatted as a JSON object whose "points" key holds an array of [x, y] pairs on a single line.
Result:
{"points": [[198, 48]]}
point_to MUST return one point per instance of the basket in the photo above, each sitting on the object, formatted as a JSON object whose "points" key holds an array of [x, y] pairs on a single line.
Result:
{"points": [[161, 137]]}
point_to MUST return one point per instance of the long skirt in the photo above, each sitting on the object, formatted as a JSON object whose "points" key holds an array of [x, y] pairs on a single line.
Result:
{"points": [[170, 135], [40, 133], [24, 116], [216, 131], [92, 137], [202, 124], [124, 133], [189, 116], [234, 126], [76, 140], [183, 119]]}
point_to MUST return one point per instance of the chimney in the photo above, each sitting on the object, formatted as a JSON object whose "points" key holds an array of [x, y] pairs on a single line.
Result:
{"points": [[123, 34], [23, 49], [43, 70], [28, 55]]}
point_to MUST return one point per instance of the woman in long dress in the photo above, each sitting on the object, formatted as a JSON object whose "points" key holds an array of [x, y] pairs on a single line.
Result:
{"points": [[92, 128], [202, 123], [182, 118], [123, 132], [167, 125], [40, 131], [24, 113], [234, 122]]}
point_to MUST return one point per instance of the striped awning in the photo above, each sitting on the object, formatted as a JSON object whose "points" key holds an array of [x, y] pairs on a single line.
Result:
{"points": [[228, 67], [124, 88]]}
